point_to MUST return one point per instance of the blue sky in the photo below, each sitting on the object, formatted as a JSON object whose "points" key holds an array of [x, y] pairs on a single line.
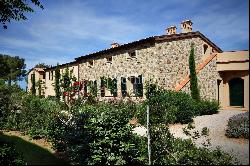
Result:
{"points": [[67, 29]]}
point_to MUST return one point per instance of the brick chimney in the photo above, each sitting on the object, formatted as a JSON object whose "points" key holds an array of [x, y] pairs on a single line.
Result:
{"points": [[171, 30], [113, 45], [186, 26]]}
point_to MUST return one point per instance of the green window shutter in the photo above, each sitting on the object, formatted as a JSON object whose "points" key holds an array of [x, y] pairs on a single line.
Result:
{"points": [[102, 88], [95, 86], [123, 87], [140, 86], [115, 87]]}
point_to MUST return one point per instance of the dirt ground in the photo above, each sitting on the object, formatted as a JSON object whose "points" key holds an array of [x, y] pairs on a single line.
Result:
{"points": [[217, 125]]}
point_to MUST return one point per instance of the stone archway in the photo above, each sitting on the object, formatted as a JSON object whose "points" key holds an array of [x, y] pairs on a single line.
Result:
{"points": [[236, 92]]}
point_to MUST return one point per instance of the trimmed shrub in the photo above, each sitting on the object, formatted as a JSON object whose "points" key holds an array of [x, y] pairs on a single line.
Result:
{"points": [[238, 126], [207, 107], [168, 106]]}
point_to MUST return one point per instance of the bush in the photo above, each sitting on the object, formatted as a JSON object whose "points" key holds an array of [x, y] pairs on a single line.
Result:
{"points": [[238, 126], [97, 134], [207, 107], [168, 106], [10, 104], [33, 115], [9, 155]]}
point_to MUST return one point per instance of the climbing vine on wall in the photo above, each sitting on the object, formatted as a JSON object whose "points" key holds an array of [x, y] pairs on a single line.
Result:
{"points": [[110, 84]]}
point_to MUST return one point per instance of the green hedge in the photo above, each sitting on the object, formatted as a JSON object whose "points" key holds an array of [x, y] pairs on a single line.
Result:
{"points": [[168, 106], [207, 107]]}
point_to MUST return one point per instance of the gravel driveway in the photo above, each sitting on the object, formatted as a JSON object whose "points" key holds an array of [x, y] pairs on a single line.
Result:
{"points": [[217, 124]]}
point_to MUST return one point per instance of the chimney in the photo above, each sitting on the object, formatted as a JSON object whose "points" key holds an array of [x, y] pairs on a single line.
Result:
{"points": [[171, 30], [186, 26], [113, 45]]}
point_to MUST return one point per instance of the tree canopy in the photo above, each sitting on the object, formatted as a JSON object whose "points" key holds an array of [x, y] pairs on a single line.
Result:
{"points": [[41, 65], [15, 9], [12, 68]]}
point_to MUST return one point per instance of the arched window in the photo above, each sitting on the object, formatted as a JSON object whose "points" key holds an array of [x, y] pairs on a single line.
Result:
{"points": [[236, 92], [205, 47]]}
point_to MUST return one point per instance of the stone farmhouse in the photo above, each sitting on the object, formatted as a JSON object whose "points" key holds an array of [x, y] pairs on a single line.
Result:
{"points": [[222, 75]]}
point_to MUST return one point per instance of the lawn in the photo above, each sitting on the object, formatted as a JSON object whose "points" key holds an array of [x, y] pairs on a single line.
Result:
{"points": [[32, 153]]}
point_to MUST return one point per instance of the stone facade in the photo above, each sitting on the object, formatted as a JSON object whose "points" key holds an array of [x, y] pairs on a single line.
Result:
{"points": [[39, 75], [50, 77], [165, 62]]}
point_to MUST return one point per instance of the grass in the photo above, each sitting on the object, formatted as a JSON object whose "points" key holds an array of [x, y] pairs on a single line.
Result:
{"points": [[32, 153]]}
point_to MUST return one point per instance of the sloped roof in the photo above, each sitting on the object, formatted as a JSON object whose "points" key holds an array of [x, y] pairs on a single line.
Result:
{"points": [[152, 39], [37, 69]]}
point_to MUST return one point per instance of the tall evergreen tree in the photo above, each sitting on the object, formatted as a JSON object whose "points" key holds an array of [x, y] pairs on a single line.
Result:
{"points": [[33, 84], [195, 93], [57, 82]]}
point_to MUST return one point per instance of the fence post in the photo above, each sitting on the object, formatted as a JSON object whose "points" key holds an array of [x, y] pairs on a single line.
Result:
{"points": [[148, 135]]}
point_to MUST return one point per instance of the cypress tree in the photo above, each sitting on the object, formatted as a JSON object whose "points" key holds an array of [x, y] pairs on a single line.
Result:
{"points": [[33, 84], [57, 82], [195, 93]]}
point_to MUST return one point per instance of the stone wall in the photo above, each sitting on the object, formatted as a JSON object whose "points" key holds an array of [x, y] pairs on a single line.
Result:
{"points": [[165, 62], [207, 81]]}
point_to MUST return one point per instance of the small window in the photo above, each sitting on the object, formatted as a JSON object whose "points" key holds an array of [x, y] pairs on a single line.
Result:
{"points": [[91, 63], [132, 54], [52, 76], [44, 76], [109, 59], [32, 76], [205, 47]]}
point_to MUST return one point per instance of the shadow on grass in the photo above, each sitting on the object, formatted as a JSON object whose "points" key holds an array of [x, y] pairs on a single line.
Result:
{"points": [[33, 154]]}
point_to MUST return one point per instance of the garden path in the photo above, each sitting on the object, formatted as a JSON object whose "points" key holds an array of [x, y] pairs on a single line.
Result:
{"points": [[217, 124]]}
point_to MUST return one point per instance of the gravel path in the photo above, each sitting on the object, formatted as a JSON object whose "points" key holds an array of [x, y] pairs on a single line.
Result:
{"points": [[217, 124]]}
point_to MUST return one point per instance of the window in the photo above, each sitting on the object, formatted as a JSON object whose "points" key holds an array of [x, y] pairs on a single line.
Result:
{"points": [[205, 47], [114, 82], [109, 59], [43, 76], [132, 54], [32, 76], [137, 85], [49, 75], [91, 63], [123, 87], [52, 75], [102, 87]]}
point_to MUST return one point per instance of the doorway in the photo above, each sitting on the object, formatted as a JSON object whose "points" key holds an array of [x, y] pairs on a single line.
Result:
{"points": [[236, 92]]}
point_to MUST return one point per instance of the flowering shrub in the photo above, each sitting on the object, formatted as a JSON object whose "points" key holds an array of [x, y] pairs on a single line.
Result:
{"points": [[238, 126]]}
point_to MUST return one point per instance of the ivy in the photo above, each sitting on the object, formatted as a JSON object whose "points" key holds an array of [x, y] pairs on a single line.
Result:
{"points": [[110, 84], [41, 87], [57, 82]]}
